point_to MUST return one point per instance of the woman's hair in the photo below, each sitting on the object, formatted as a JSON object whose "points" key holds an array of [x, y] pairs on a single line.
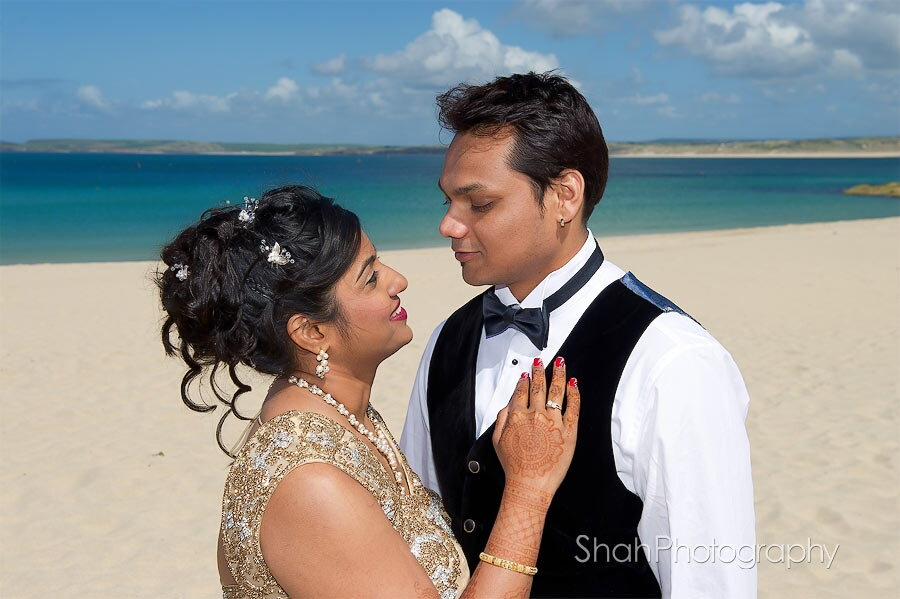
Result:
{"points": [[554, 127], [228, 293]]}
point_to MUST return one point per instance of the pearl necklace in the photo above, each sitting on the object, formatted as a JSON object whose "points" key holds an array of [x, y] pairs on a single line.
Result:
{"points": [[379, 441]]}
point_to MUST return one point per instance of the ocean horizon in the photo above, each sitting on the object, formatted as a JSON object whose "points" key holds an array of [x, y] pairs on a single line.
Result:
{"points": [[121, 207]]}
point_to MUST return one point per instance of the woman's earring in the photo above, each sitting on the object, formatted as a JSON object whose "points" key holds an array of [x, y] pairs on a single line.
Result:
{"points": [[322, 366], [562, 222]]}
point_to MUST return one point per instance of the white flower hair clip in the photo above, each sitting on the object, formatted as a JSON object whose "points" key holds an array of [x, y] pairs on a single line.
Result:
{"points": [[181, 271], [275, 255], [248, 212]]}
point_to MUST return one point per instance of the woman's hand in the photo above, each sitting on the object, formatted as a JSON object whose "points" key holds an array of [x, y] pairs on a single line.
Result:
{"points": [[535, 442], [533, 438]]}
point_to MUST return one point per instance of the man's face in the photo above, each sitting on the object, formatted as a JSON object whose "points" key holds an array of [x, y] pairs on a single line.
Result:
{"points": [[493, 220]]}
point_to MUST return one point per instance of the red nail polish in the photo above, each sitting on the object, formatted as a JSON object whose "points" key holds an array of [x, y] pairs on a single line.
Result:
{"points": [[559, 362], [524, 375], [538, 363], [573, 382]]}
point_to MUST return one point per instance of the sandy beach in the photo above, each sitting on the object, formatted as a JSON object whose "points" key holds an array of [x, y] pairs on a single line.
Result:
{"points": [[112, 487], [773, 154]]}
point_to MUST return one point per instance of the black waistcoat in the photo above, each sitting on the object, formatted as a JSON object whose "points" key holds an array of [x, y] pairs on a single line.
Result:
{"points": [[590, 542]]}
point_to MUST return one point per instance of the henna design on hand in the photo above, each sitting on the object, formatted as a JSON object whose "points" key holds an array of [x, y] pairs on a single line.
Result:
{"points": [[522, 523], [535, 444], [518, 493]]}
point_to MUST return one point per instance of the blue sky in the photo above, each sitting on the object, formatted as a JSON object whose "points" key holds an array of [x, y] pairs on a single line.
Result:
{"points": [[368, 71]]}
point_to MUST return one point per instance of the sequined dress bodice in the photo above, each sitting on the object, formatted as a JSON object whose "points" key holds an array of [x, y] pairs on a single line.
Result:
{"points": [[296, 438]]}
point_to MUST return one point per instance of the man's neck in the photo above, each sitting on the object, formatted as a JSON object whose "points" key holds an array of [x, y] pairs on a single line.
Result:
{"points": [[568, 249]]}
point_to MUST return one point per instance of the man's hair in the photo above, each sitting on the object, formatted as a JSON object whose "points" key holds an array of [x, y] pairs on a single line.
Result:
{"points": [[555, 128]]}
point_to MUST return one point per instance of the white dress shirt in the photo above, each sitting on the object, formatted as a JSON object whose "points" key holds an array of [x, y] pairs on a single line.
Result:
{"points": [[678, 435]]}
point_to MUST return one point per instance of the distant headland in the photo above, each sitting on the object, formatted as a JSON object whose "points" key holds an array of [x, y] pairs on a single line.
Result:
{"points": [[887, 189], [826, 147]]}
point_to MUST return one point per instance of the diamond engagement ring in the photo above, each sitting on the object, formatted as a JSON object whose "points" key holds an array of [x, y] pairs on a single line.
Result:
{"points": [[553, 405]]}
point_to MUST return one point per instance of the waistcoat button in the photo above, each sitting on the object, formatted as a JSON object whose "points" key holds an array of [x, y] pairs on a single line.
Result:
{"points": [[469, 525], [474, 467]]}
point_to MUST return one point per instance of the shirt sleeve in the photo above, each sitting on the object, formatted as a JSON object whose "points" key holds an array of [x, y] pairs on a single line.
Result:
{"points": [[687, 456], [415, 441]]}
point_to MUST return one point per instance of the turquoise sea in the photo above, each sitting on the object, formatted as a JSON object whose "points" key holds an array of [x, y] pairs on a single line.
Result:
{"points": [[114, 207]]}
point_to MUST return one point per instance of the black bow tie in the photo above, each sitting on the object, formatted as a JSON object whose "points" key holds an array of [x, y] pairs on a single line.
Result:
{"points": [[534, 323]]}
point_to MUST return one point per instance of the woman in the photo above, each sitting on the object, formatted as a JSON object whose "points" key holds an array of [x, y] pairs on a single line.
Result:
{"points": [[320, 501]]}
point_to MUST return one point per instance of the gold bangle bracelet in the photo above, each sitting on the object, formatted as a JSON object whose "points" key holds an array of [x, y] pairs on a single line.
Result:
{"points": [[505, 563]]}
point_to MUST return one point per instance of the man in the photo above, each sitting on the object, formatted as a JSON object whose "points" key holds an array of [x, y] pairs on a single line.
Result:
{"points": [[659, 499]]}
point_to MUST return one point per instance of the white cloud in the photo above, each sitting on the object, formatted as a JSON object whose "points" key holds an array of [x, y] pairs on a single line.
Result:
{"points": [[567, 18], [334, 66], [774, 40], [185, 100], [867, 29], [885, 91], [342, 89], [92, 96], [29, 105], [669, 112], [454, 50], [639, 100], [752, 40], [846, 63], [637, 78], [717, 98], [380, 95], [285, 90], [658, 103]]}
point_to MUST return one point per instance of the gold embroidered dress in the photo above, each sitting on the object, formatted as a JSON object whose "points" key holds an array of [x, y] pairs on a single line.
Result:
{"points": [[296, 438]]}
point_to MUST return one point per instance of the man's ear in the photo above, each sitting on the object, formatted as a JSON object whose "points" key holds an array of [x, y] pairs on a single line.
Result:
{"points": [[305, 333], [569, 196]]}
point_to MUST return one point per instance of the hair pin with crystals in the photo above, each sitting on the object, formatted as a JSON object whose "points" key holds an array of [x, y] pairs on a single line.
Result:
{"points": [[181, 271], [275, 254], [248, 212]]}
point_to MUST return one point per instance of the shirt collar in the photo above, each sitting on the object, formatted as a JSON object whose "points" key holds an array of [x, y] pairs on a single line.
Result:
{"points": [[554, 280]]}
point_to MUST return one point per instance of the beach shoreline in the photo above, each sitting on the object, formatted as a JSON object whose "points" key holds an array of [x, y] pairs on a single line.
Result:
{"points": [[612, 155], [113, 487], [758, 155], [844, 147]]}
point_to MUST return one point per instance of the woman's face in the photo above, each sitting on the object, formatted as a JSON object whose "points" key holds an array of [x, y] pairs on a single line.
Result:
{"points": [[369, 298]]}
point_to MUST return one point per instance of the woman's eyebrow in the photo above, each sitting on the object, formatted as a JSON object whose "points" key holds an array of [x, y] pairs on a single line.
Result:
{"points": [[366, 265]]}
